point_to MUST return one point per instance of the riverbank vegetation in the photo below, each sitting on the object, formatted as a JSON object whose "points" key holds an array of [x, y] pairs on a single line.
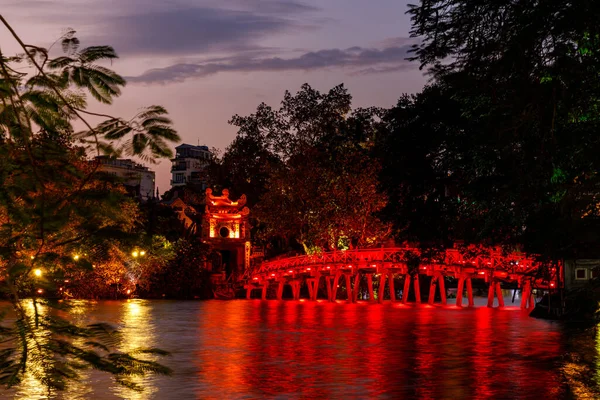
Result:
{"points": [[58, 215]]}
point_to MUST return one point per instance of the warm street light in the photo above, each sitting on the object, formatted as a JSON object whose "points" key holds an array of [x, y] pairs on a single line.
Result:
{"points": [[76, 257], [138, 253], [37, 272]]}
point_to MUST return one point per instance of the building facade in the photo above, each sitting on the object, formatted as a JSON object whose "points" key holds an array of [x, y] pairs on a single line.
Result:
{"points": [[138, 179], [189, 164]]}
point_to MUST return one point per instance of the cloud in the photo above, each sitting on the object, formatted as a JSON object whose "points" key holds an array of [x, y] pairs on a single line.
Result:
{"points": [[189, 30], [375, 60], [171, 28]]}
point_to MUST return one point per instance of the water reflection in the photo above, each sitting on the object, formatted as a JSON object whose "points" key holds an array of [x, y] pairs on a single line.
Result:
{"points": [[287, 349]]}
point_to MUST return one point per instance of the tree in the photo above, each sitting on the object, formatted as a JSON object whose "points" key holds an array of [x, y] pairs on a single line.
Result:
{"points": [[320, 185], [524, 76], [55, 209]]}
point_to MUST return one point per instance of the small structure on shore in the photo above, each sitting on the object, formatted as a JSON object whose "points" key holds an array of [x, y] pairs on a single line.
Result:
{"points": [[226, 228]]}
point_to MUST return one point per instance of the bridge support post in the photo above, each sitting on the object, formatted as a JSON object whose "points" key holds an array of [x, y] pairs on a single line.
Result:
{"points": [[432, 287], [470, 292], [248, 292], [280, 290], [370, 286], [459, 291], [417, 289], [527, 301], [296, 289], [264, 291], [334, 287], [313, 287], [381, 288], [392, 289], [328, 280], [495, 288], [348, 287], [407, 279], [356, 287]]}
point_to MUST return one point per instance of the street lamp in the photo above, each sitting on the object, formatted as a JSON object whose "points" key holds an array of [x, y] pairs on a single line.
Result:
{"points": [[37, 272]]}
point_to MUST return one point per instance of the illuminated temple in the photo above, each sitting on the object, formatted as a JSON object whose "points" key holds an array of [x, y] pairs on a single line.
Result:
{"points": [[225, 227]]}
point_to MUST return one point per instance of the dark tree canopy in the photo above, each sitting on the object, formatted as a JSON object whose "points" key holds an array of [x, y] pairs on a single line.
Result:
{"points": [[523, 77]]}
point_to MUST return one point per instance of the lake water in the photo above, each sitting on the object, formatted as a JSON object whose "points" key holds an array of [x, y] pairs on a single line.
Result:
{"points": [[268, 349]]}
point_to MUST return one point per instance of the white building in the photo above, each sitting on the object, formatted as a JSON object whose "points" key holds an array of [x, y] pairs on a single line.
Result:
{"points": [[189, 164], [137, 179]]}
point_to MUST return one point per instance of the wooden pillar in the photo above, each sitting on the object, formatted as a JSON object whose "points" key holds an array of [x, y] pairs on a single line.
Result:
{"points": [[316, 287], [381, 288], [310, 288], [525, 294], [370, 286], [417, 289], [392, 289], [280, 290], [296, 289], [348, 287], [459, 291], [432, 287], [499, 294], [407, 279], [470, 292], [248, 292], [328, 280], [490, 302], [356, 287], [442, 286], [334, 287], [264, 291]]}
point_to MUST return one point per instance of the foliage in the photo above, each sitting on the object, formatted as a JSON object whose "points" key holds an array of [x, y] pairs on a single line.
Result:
{"points": [[183, 277], [518, 141], [56, 212], [311, 160]]}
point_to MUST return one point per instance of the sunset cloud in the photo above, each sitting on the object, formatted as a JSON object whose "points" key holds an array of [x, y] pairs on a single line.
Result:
{"points": [[378, 60]]}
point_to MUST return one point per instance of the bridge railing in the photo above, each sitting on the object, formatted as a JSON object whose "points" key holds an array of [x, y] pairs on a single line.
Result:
{"points": [[360, 258]]}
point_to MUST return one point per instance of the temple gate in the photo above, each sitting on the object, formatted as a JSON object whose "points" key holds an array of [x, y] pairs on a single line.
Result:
{"points": [[226, 229]]}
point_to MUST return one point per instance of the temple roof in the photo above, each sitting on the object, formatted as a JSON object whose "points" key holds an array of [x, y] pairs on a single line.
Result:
{"points": [[223, 201]]}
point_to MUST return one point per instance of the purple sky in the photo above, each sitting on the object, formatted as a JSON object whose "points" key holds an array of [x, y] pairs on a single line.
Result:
{"points": [[206, 60]]}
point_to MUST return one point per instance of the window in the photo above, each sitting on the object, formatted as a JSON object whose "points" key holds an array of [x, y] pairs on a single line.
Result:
{"points": [[580, 273], [224, 232], [179, 178]]}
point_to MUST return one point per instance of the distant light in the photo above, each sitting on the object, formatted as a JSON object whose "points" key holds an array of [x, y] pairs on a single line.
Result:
{"points": [[255, 278], [40, 291], [272, 274], [290, 271], [128, 291], [142, 253], [481, 272], [76, 257], [32, 257], [308, 269], [37, 272], [328, 267], [135, 253]]}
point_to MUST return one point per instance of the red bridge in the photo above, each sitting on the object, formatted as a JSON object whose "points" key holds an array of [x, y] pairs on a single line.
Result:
{"points": [[390, 266]]}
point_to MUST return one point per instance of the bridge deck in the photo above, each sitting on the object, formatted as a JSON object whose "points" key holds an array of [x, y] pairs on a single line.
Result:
{"points": [[492, 266]]}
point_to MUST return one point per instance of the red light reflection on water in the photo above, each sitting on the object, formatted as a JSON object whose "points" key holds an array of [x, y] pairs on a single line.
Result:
{"points": [[320, 349]]}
